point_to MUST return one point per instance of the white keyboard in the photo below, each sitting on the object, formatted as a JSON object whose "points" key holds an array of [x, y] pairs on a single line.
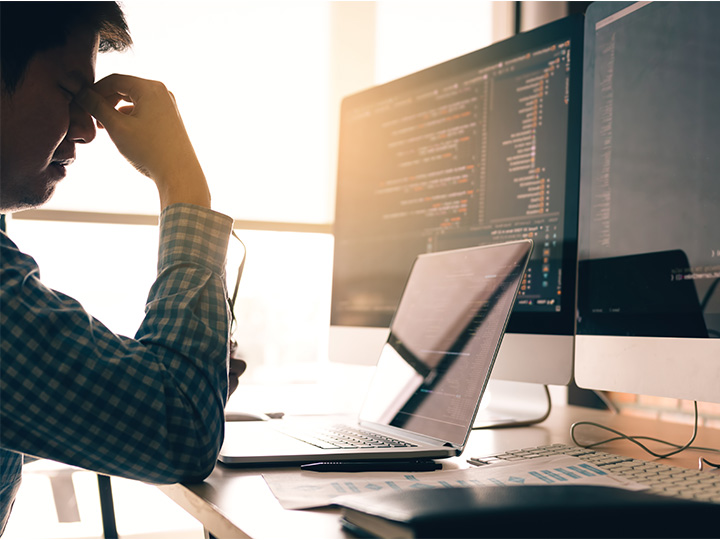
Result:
{"points": [[661, 479]]}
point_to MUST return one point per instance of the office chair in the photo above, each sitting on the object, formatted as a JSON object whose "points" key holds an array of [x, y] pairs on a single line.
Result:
{"points": [[64, 496]]}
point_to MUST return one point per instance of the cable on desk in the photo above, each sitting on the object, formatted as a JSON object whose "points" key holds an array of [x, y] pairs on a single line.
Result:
{"points": [[529, 422], [636, 440], [602, 396], [233, 299]]}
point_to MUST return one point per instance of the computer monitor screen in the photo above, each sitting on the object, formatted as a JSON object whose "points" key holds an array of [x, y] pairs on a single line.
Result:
{"points": [[649, 252], [481, 149]]}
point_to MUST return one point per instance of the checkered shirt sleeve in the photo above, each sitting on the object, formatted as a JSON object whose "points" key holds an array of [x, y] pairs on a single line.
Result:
{"points": [[148, 408]]}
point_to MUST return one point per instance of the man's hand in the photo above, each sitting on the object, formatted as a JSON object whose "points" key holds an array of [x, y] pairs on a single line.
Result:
{"points": [[150, 134], [237, 368]]}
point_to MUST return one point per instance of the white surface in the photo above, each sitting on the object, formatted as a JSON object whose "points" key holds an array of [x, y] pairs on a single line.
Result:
{"points": [[677, 368], [312, 489]]}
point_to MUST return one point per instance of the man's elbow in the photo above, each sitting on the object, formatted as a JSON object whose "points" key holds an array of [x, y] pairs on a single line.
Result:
{"points": [[199, 457], [189, 471], [200, 473]]}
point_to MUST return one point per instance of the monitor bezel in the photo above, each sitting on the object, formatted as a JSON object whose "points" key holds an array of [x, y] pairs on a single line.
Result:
{"points": [[635, 362], [547, 323]]}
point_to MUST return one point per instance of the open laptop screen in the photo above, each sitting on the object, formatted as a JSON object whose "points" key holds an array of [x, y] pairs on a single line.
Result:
{"points": [[444, 338]]}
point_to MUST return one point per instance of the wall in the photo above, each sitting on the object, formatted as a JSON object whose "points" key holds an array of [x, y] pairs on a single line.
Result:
{"points": [[667, 409]]}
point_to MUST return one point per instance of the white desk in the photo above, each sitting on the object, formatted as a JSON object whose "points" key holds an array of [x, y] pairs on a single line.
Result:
{"points": [[237, 503]]}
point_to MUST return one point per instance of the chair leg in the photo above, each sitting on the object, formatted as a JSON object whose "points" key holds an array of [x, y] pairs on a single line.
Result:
{"points": [[63, 491], [107, 507]]}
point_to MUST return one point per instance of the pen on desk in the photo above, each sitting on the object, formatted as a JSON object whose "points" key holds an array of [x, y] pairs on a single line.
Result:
{"points": [[367, 466], [477, 462]]}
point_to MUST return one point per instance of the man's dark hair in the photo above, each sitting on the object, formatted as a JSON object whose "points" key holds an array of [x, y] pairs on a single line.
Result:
{"points": [[27, 28]]}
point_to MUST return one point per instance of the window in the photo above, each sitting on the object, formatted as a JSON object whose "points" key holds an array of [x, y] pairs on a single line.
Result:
{"points": [[259, 84]]}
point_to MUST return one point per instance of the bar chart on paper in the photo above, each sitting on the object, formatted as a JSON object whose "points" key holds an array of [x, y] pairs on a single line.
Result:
{"points": [[314, 489]]}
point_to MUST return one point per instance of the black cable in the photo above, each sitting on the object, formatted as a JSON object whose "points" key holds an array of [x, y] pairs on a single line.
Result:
{"points": [[529, 422], [232, 299], [636, 440], [602, 396]]}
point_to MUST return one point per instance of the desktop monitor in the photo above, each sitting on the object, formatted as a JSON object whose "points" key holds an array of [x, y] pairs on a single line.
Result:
{"points": [[649, 246], [481, 149]]}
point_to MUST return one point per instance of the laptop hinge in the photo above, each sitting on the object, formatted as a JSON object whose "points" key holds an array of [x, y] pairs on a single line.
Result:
{"points": [[399, 432]]}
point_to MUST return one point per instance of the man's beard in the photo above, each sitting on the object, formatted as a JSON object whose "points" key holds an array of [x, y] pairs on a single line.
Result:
{"points": [[25, 200]]}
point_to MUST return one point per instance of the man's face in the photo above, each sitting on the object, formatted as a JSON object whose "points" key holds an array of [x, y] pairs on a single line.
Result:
{"points": [[41, 124]]}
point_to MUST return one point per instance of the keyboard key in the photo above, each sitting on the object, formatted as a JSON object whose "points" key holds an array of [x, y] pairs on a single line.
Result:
{"points": [[345, 437]]}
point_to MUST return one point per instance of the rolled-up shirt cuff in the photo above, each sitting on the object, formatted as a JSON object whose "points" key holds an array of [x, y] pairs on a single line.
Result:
{"points": [[193, 234]]}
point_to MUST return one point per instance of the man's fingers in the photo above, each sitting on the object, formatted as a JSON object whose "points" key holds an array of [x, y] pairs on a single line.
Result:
{"points": [[149, 132], [129, 88], [98, 107], [117, 83], [237, 366]]}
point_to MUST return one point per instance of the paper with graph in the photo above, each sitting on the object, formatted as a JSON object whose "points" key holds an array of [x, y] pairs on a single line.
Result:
{"points": [[297, 490]]}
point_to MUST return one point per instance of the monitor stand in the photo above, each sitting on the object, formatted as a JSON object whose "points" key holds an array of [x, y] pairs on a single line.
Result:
{"points": [[513, 404]]}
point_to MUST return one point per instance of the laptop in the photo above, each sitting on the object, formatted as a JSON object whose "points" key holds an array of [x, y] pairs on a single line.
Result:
{"points": [[429, 378]]}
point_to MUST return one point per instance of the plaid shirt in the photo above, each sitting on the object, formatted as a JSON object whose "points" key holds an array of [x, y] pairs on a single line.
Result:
{"points": [[149, 408]]}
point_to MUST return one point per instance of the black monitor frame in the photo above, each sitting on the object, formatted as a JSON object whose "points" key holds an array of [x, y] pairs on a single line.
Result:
{"points": [[571, 28]]}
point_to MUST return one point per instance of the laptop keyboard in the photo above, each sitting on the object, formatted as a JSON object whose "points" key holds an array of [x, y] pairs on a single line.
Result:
{"points": [[340, 436], [661, 479]]}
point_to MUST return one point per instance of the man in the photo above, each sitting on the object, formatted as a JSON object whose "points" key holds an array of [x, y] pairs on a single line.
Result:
{"points": [[148, 408]]}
